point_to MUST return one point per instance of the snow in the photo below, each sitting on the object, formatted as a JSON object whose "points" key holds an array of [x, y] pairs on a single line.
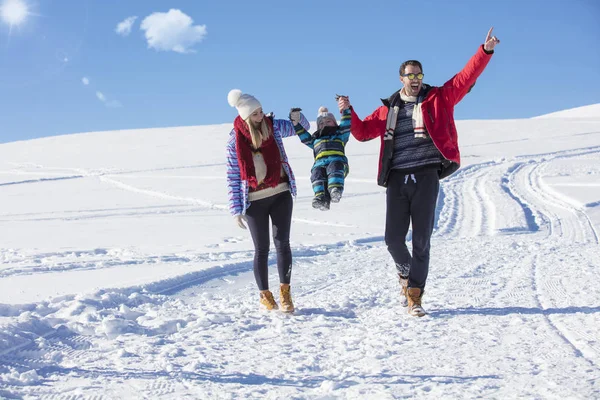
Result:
{"points": [[591, 111], [123, 276]]}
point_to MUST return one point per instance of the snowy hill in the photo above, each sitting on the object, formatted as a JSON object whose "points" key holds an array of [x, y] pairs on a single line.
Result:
{"points": [[123, 276], [591, 111]]}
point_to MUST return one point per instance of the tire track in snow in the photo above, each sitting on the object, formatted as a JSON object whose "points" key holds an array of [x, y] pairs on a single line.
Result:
{"points": [[570, 334], [470, 207], [41, 180], [563, 220], [161, 195], [467, 200], [464, 205], [105, 177], [97, 260], [508, 187], [448, 206], [523, 182], [204, 203], [477, 210]]}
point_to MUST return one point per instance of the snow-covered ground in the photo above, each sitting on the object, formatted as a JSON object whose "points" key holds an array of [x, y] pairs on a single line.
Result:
{"points": [[123, 276]]}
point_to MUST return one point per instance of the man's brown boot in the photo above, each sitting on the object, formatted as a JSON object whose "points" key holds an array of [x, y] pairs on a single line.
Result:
{"points": [[285, 298], [403, 288], [414, 296], [267, 302]]}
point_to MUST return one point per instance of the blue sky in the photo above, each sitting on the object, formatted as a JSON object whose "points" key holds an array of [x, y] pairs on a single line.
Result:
{"points": [[177, 73]]}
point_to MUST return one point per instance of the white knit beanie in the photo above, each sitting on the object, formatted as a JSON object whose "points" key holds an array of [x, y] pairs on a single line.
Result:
{"points": [[324, 113], [246, 104]]}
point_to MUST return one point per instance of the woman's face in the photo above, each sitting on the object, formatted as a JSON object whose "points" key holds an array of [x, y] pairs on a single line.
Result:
{"points": [[257, 116]]}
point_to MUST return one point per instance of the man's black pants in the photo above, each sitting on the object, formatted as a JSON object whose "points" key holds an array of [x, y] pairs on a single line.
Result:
{"points": [[411, 197]]}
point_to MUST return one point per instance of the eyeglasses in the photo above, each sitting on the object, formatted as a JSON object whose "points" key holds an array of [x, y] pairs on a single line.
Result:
{"points": [[413, 76]]}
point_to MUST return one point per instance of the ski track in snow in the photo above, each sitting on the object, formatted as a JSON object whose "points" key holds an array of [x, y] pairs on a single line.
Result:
{"points": [[203, 202], [157, 194], [106, 176], [566, 328], [564, 222], [466, 207], [188, 336], [102, 258]]}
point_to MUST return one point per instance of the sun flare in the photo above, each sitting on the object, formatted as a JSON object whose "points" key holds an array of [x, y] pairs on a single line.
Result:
{"points": [[14, 12]]}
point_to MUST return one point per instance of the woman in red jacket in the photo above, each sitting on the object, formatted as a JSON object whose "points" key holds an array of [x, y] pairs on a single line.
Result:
{"points": [[419, 147]]}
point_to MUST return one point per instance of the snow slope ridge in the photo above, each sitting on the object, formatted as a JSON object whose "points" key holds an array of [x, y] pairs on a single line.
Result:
{"points": [[591, 111]]}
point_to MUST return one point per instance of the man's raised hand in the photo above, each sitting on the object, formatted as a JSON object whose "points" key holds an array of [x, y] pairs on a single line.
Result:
{"points": [[490, 41]]}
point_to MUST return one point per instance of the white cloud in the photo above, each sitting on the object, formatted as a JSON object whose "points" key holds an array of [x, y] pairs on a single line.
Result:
{"points": [[85, 81], [172, 31], [124, 27], [108, 103]]}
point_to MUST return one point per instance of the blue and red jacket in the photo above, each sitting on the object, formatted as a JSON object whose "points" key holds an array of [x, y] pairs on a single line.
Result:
{"points": [[329, 143]]}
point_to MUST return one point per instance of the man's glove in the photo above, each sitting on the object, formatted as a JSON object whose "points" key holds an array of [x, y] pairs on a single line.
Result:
{"points": [[295, 115], [239, 219]]}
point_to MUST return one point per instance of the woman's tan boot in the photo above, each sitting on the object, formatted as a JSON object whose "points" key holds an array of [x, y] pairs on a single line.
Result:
{"points": [[267, 302], [285, 298]]}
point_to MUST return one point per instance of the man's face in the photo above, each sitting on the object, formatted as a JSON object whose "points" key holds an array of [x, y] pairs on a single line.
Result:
{"points": [[326, 121], [257, 116], [413, 86]]}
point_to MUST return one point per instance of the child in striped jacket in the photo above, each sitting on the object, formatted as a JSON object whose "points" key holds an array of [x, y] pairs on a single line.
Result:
{"points": [[331, 165]]}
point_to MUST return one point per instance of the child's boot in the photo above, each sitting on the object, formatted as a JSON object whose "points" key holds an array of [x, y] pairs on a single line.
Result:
{"points": [[336, 194], [320, 203]]}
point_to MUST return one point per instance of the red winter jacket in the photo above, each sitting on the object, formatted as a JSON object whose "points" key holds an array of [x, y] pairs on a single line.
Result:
{"points": [[438, 115]]}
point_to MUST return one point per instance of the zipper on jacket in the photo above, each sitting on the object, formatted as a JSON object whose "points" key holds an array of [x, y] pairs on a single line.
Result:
{"points": [[430, 117]]}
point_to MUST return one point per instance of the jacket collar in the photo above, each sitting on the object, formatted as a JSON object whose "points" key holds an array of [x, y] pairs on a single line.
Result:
{"points": [[325, 131], [395, 99]]}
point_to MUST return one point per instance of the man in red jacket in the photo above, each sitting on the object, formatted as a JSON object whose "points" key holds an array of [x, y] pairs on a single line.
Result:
{"points": [[419, 146]]}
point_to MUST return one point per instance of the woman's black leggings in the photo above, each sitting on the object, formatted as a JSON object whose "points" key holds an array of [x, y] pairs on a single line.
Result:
{"points": [[279, 209]]}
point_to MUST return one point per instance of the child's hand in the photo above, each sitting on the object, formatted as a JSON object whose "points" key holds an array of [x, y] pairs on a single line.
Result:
{"points": [[343, 102], [295, 115]]}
